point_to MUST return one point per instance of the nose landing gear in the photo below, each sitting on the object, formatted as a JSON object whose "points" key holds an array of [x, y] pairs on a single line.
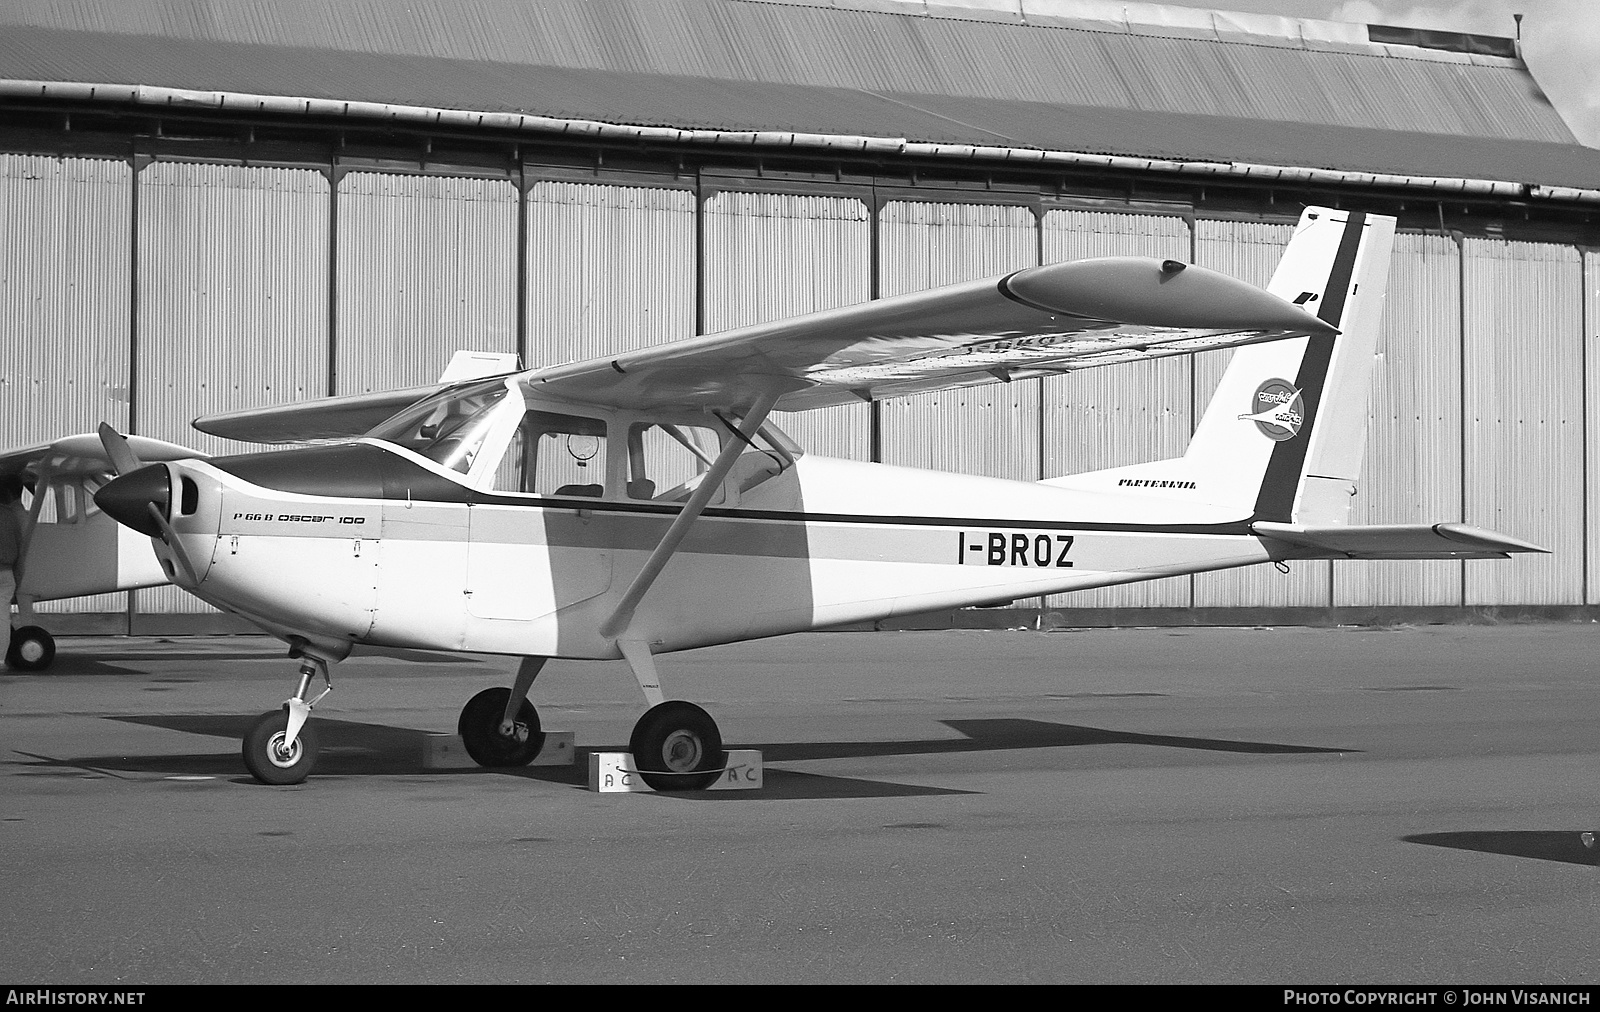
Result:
{"points": [[272, 756], [281, 747]]}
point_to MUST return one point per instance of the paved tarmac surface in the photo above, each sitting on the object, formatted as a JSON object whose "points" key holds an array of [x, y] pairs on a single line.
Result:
{"points": [[1272, 805]]}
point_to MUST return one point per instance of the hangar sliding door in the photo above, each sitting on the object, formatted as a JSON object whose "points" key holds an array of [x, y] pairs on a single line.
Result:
{"points": [[65, 280], [427, 267], [232, 302], [1523, 370], [1121, 414], [1250, 251], [774, 255], [1411, 472], [991, 429], [610, 269]]}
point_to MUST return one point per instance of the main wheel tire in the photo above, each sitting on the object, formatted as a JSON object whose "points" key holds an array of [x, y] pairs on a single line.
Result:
{"points": [[266, 758], [480, 731], [32, 649], [676, 747]]}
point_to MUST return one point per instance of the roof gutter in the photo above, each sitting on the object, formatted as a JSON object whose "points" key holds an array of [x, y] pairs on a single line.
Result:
{"points": [[177, 98]]}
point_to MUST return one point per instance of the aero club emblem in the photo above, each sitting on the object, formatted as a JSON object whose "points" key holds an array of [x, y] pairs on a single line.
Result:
{"points": [[1277, 410]]}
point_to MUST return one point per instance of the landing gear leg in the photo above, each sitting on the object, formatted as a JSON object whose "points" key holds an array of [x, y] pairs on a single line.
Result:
{"points": [[527, 671], [499, 727], [281, 747], [676, 745]]}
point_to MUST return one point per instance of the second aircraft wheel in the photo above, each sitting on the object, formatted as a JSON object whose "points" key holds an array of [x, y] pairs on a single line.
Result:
{"points": [[676, 747], [32, 649], [266, 757], [480, 730]]}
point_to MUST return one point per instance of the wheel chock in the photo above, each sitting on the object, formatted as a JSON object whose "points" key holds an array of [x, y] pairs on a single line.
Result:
{"points": [[446, 752], [615, 773]]}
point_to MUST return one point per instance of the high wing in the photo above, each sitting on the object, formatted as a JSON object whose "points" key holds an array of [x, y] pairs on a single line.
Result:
{"points": [[1033, 322], [329, 418], [351, 415], [1398, 541], [1041, 320], [83, 454]]}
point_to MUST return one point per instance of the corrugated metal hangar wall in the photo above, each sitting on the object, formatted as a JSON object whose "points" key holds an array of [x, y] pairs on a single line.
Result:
{"points": [[147, 298]]}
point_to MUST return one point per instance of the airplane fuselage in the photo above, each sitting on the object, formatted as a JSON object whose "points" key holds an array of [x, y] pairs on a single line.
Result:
{"points": [[367, 543]]}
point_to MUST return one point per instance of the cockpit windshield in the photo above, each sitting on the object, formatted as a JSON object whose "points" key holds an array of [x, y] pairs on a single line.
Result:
{"points": [[448, 427]]}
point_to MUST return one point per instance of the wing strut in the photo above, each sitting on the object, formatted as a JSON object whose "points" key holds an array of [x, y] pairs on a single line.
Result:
{"points": [[617, 624]]}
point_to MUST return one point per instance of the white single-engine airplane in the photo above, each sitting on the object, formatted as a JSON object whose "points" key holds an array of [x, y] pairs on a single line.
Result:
{"points": [[643, 503], [71, 549]]}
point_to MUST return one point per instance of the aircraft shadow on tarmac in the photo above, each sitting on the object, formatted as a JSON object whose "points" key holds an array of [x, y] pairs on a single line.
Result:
{"points": [[1003, 733], [988, 735], [1565, 846], [73, 665], [64, 666], [351, 748]]}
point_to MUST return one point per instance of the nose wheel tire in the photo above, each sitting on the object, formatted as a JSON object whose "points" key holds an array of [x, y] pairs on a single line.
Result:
{"points": [[266, 757], [676, 747], [480, 731], [32, 649]]}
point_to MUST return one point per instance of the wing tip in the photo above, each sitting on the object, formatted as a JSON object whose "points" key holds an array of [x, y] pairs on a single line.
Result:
{"points": [[1149, 291], [1492, 540]]}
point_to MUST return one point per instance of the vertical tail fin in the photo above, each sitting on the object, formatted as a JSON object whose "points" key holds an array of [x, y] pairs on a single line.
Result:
{"points": [[1286, 429], [1283, 436]]}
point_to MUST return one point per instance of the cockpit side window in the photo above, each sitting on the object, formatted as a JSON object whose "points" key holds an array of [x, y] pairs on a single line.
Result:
{"points": [[666, 461], [563, 455]]}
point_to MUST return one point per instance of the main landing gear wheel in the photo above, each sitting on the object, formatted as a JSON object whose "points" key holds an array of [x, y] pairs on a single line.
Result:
{"points": [[480, 730], [267, 758], [32, 649], [676, 747]]}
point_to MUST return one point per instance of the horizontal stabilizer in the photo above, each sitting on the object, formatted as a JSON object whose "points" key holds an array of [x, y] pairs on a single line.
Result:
{"points": [[1397, 541]]}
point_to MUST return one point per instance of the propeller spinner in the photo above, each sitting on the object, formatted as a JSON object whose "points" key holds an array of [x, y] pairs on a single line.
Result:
{"points": [[140, 497]]}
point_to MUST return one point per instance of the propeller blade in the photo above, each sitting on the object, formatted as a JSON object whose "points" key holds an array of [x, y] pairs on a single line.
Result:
{"points": [[123, 459], [170, 538]]}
